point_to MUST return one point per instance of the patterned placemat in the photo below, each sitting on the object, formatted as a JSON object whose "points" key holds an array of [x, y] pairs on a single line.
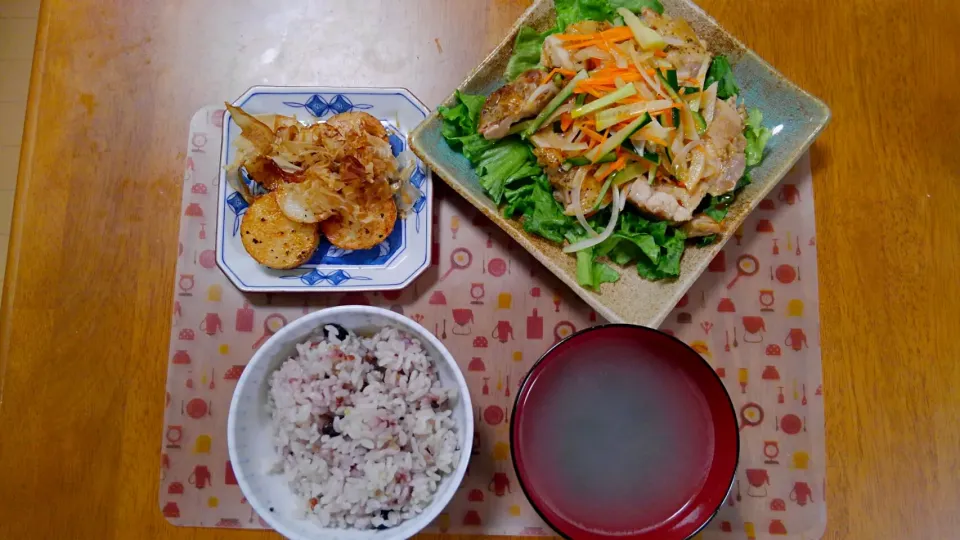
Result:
{"points": [[753, 315]]}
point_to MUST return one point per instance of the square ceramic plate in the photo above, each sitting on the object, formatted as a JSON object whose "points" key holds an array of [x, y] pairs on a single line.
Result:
{"points": [[391, 265], [794, 115]]}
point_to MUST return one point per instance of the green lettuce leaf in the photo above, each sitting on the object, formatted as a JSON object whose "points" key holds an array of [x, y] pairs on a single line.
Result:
{"points": [[591, 273], [720, 71], [507, 161], [571, 11], [637, 6], [757, 137], [542, 214], [526, 51]]}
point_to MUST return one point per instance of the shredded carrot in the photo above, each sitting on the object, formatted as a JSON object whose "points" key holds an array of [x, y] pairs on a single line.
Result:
{"points": [[554, 71], [620, 163], [660, 54], [592, 63], [610, 80], [566, 120], [592, 134]]}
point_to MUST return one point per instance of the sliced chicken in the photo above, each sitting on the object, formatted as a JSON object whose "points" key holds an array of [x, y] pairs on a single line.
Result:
{"points": [[564, 182], [701, 225], [725, 134], [523, 98], [554, 55], [666, 201]]}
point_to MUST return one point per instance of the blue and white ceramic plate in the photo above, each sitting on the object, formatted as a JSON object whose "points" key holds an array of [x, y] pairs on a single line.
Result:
{"points": [[393, 264]]}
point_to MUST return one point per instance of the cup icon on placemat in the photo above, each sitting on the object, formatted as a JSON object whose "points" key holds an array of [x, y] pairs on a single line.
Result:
{"points": [[504, 300]]}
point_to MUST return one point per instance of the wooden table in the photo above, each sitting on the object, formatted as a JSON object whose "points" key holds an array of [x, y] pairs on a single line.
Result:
{"points": [[86, 305]]}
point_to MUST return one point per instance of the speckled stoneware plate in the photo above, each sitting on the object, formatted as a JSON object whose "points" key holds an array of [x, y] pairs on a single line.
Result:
{"points": [[795, 116]]}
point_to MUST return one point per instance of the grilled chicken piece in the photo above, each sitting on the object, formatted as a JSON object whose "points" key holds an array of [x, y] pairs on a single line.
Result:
{"points": [[513, 102], [666, 201], [701, 225], [563, 181], [725, 134]]}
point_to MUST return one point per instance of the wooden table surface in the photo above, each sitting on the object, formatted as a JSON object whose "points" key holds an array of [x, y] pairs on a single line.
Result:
{"points": [[86, 304]]}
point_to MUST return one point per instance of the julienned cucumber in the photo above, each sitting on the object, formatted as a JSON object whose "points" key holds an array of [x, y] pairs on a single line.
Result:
{"points": [[519, 127], [554, 104], [607, 100], [617, 139], [669, 87], [700, 122], [579, 161]]}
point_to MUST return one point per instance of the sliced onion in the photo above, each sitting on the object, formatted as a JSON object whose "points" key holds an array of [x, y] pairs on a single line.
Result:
{"points": [[689, 124], [696, 169], [566, 107], [709, 103], [670, 40], [577, 207], [623, 195], [678, 157], [590, 242], [702, 73], [556, 141]]}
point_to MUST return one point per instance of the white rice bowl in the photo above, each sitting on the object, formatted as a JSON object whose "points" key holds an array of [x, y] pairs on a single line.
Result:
{"points": [[365, 437]]}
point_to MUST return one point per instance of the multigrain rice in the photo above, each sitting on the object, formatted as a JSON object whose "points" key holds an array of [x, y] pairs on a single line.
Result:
{"points": [[363, 428]]}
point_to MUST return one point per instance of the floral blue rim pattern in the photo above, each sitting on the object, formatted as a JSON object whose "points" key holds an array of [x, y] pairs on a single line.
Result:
{"points": [[403, 255]]}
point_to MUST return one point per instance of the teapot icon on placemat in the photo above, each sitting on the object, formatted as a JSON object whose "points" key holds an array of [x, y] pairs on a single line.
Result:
{"points": [[500, 485], [211, 324], [801, 493], [503, 332], [200, 477], [796, 339]]}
